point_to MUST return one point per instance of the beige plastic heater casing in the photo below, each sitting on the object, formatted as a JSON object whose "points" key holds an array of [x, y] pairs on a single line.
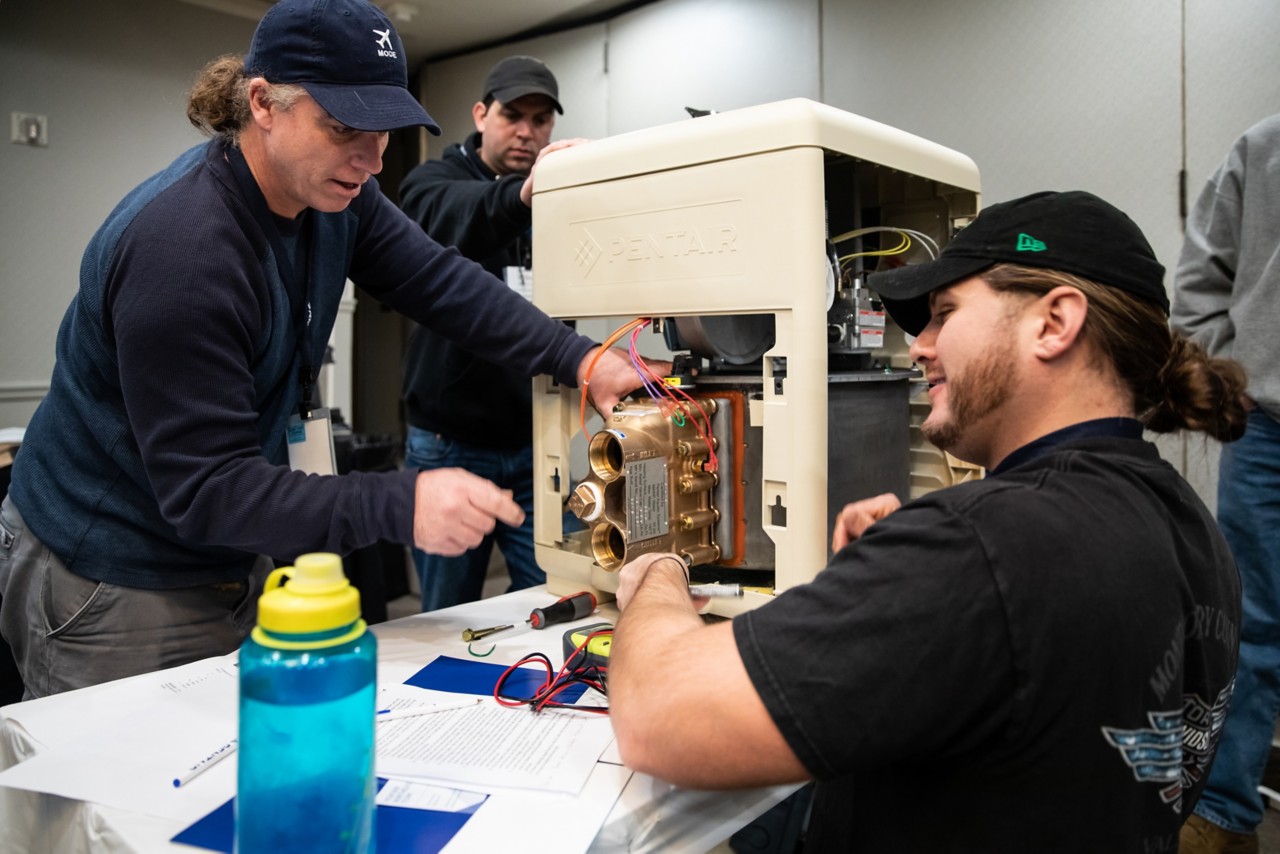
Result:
{"points": [[716, 215]]}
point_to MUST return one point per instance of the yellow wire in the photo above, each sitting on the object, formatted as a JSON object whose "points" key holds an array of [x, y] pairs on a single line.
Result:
{"points": [[897, 250]]}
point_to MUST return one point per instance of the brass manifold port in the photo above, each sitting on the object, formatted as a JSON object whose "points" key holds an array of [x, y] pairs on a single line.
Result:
{"points": [[650, 485], [699, 519]]}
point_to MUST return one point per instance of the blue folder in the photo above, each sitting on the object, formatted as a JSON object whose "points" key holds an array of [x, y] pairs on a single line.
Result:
{"points": [[463, 676], [399, 829]]}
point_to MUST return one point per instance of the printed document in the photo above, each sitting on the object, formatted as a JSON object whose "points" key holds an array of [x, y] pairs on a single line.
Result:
{"points": [[493, 746]]}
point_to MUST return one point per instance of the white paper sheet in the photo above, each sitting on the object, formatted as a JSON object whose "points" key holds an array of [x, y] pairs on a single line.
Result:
{"points": [[143, 732], [423, 796], [122, 744], [395, 695], [555, 822], [492, 746]]}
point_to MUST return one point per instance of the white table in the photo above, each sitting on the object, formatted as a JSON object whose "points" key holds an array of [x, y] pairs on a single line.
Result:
{"points": [[650, 815]]}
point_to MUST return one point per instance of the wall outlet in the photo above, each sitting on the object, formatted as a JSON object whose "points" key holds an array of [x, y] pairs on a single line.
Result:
{"points": [[29, 129]]}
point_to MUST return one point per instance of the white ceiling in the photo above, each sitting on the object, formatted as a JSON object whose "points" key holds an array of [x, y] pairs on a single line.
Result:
{"points": [[434, 28]]}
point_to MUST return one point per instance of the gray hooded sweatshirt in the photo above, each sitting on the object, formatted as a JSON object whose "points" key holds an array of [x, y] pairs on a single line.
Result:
{"points": [[1227, 284]]}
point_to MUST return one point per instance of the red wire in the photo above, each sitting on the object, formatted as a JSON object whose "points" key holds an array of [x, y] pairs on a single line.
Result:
{"points": [[553, 685], [634, 326], [497, 686], [670, 391]]}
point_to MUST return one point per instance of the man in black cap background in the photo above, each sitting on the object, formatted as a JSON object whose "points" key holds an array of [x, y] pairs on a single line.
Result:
{"points": [[1045, 656], [167, 456], [464, 409]]}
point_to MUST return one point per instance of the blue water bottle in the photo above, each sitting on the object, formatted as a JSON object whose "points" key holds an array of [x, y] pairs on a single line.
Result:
{"points": [[308, 674]]}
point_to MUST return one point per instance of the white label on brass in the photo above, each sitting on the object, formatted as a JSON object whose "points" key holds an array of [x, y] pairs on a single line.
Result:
{"points": [[648, 511]]}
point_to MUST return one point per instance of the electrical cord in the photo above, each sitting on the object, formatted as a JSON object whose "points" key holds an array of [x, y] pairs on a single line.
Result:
{"points": [[897, 250], [591, 366], [906, 234], [666, 396], [556, 682], [930, 245], [672, 407]]}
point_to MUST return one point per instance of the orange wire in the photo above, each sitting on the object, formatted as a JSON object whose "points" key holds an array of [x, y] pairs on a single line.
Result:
{"points": [[591, 366]]}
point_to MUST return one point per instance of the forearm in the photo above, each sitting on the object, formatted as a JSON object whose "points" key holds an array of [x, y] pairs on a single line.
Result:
{"points": [[657, 617], [453, 296], [209, 445], [680, 699], [659, 609], [213, 484]]}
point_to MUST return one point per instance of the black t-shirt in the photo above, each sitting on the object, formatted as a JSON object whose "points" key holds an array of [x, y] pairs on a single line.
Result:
{"points": [[1038, 661]]}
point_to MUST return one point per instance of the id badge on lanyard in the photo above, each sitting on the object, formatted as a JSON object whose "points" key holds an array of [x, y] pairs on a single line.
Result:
{"points": [[310, 443]]}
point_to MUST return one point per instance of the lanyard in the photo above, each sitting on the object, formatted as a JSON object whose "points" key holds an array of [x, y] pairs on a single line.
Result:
{"points": [[297, 283]]}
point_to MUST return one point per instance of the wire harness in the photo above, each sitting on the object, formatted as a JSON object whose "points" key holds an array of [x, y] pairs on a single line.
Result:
{"points": [[667, 396], [575, 671]]}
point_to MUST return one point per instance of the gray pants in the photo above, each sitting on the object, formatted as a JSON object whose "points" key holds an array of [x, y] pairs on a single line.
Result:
{"points": [[70, 632]]}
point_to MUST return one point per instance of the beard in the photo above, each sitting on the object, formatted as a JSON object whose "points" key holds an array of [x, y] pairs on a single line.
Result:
{"points": [[973, 394]]}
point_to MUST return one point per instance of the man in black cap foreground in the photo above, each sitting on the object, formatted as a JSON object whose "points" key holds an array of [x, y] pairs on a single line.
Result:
{"points": [[463, 408], [156, 470], [1036, 661]]}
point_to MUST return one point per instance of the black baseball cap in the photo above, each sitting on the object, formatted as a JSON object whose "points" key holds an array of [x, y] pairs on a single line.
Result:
{"points": [[348, 57], [517, 76], [1074, 232]]}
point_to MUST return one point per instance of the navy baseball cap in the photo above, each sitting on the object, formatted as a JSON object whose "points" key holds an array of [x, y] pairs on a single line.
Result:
{"points": [[517, 76], [348, 57], [1074, 232]]}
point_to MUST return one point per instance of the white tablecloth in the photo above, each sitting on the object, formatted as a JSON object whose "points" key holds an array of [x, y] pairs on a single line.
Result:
{"points": [[650, 815]]}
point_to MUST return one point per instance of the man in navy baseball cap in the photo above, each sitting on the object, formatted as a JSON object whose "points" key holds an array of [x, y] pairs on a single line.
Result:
{"points": [[348, 57], [180, 440]]}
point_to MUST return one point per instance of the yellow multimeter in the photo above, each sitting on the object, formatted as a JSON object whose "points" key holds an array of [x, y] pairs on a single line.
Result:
{"points": [[596, 653]]}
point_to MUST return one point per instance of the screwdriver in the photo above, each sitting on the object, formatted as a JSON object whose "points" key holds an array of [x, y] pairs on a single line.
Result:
{"points": [[568, 608], [469, 635]]}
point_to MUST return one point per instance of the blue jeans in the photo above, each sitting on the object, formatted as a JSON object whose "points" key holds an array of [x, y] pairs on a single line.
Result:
{"points": [[449, 581], [1249, 515]]}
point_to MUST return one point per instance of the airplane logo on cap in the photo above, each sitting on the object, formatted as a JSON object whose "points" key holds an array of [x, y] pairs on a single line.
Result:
{"points": [[385, 47]]}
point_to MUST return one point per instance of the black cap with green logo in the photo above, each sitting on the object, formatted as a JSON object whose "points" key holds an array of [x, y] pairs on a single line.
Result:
{"points": [[1075, 232]]}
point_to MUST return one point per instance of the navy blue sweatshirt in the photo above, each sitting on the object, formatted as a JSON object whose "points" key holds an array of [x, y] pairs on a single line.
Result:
{"points": [[158, 458]]}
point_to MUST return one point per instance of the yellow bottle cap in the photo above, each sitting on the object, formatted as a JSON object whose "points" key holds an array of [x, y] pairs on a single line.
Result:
{"points": [[318, 598]]}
